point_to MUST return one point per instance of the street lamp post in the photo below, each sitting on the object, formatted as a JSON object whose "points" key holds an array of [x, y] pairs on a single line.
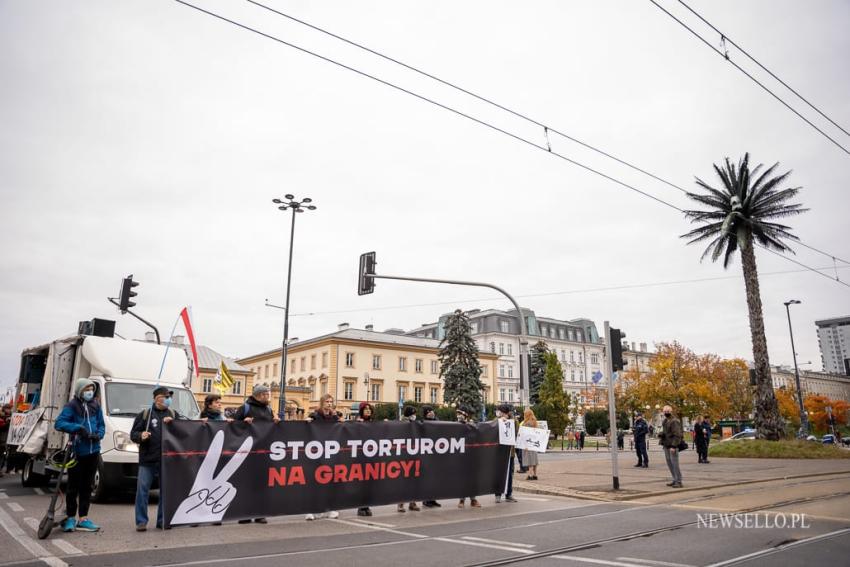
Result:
{"points": [[296, 207], [804, 421]]}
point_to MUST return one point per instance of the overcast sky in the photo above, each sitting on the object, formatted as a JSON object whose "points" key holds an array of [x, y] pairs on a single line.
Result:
{"points": [[149, 138]]}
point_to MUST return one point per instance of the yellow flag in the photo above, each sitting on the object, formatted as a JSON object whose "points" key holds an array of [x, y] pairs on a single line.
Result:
{"points": [[226, 378]]}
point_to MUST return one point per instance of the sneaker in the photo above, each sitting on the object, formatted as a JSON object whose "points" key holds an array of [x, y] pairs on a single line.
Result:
{"points": [[475, 504], [639, 465], [510, 499], [677, 485], [308, 517], [670, 483], [260, 521], [413, 507], [436, 504], [88, 526], [141, 528], [333, 514], [401, 509], [69, 525]]}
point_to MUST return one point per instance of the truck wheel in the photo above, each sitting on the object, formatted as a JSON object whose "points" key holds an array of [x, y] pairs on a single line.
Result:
{"points": [[100, 489], [31, 478]]}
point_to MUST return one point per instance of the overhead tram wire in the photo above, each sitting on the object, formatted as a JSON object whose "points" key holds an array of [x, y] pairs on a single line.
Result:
{"points": [[459, 113], [555, 293], [756, 81], [757, 62], [546, 127]]}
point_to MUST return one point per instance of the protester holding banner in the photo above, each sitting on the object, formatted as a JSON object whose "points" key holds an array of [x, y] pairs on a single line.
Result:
{"points": [[5, 415], [147, 433], [82, 419], [257, 406], [327, 414], [462, 416], [213, 410], [428, 414], [364, 415], [529, 457], [504, 413], [409, 414]]}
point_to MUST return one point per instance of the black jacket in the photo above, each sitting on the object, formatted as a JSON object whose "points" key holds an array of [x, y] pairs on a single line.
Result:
{"points": [[318, 416], [150, 450], [640, 429], [260, 412], [699, 434]]}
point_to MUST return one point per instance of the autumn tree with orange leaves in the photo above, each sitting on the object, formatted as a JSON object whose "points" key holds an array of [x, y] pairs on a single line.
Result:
{"points": [[819, 416]]}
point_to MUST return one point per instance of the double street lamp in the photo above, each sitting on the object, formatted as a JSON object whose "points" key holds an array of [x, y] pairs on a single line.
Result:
{"points": [[804, 420], [296, 207]]}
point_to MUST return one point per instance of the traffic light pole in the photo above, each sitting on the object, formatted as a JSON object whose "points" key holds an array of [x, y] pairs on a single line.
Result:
{"points": [[612, 411], [523, 330], [155, 330]]}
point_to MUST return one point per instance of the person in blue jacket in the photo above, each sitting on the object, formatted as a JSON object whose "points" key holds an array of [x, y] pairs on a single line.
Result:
{"points": [[82, 419]]}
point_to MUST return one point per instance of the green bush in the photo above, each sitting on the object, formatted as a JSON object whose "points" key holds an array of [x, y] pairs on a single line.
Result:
{"points": [[761, 449]]}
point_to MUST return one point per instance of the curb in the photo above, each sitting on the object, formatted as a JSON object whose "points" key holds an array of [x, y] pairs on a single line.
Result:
{"points": [[606, 497]]}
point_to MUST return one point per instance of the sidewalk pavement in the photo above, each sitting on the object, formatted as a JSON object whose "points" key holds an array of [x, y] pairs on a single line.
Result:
{"points": [[579, 475]]}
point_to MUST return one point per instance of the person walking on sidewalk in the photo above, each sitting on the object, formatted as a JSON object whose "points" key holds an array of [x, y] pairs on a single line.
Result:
{"points": [[529, 457], [671, 439], [82, 419], [364, 415], [581, 437], [640, 429], [699, 439], [326, 414]]}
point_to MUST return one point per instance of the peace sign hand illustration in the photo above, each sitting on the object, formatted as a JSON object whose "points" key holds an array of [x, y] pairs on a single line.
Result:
{"points": [[211, 495]]}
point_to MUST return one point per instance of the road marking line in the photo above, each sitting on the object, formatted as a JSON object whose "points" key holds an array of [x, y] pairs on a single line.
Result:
{"points": [[371, 523], [596, 561], [773, 550], [38, 491], [32, 523], [15, 507], [653, 562], [487, 545], [534, 498], [379, 528], [485, 540], [25, 540], [66, 547]]}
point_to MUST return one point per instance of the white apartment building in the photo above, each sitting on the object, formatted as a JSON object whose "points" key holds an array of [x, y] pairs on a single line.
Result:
{"points": [[834, 343]]}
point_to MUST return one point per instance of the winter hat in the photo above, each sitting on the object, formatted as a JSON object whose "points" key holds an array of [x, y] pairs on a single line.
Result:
{"points": [[260, 389], [506, 408], [80, 385], [409, 410]]}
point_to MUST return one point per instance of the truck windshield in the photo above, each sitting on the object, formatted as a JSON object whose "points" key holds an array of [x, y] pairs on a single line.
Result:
{"points": [[127, 400]]}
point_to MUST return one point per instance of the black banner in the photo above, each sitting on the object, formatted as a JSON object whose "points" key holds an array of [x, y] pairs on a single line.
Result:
{"points": [[229, 471]]}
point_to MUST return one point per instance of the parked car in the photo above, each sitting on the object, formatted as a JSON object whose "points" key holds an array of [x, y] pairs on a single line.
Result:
{"points": [[748, 434], [828, 439]]}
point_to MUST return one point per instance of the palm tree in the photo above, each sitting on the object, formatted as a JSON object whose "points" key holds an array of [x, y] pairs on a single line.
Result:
{"points": [[738, 217]]}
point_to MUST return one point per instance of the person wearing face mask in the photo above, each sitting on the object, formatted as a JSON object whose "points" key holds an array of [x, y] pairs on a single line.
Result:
{"points": [[147, 433], [670, 438], [82, 419], [409, 414]]}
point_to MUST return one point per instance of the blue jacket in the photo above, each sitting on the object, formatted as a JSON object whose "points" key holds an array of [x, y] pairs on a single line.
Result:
{"points": [[84, 420]]}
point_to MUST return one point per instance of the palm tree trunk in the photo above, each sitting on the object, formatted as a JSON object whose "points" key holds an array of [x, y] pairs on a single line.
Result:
{"points": [[767, 419]]}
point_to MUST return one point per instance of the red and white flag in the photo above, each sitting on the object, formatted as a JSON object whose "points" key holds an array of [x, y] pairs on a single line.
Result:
{"points": [[187, 322]]}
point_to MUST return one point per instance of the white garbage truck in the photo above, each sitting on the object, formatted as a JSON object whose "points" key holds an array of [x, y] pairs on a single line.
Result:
{"points": [[125, 373]]}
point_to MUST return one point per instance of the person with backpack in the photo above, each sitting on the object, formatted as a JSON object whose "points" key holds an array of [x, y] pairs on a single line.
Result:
{"points": [[82, 419], [147, 433], [257, 408]]}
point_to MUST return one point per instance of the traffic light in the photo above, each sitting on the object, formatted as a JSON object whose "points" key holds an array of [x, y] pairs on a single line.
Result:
{"points": [[617, 337], [127, 293], [366, 283]]}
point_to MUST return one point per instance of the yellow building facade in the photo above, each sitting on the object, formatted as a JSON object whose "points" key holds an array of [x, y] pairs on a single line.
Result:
{"points": [[357, 365]]}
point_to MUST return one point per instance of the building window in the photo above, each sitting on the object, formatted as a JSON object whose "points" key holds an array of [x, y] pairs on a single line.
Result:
{"points": [[434, 393], [303, 365], [376, 362], [237, 387], [417, 394], [573, 375], [348, 391], [578, 336], [510, 371], [402, 364], [402, 393], [572, 335], [291, 367], [501, 371], [435, 367], [561, 334], [418, 365], [324, 388], [501, 394], [501, 348], [349, 360], [543, 330], [207, 385], [572, 356], [376, 392], [510, 394], [510, 349], [580, 357], [581, 375], [473, 327], [312, 362], [594, 358], [552, 332], [493, 347], [324, 360], [504, 326], [483, 371]]}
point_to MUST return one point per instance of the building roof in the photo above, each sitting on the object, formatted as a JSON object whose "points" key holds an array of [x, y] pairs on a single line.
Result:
{"points": [[211, 360], [834, 321]]}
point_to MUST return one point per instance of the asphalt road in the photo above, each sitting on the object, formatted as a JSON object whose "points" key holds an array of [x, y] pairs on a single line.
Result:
{"points": [[663, 532]]}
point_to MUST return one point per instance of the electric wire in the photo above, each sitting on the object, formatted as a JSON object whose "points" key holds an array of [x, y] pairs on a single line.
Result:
{"points": [[756, 81], [462, 114], [757, 62]]}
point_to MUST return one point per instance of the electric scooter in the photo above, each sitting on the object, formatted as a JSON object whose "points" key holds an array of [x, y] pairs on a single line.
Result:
{"points": [[48, 522]]}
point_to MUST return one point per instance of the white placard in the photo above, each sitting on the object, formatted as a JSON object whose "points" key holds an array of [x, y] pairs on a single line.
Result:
{"points": [[22, 425], [507, 433], [532, 439]]}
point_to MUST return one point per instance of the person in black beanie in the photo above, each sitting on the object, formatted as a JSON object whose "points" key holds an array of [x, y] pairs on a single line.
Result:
{"points": [[428, 414]]}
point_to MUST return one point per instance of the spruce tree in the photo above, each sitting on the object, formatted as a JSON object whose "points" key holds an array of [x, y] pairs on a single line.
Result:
{"points": [[536, 370], [459, 366], [553, 399]]}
